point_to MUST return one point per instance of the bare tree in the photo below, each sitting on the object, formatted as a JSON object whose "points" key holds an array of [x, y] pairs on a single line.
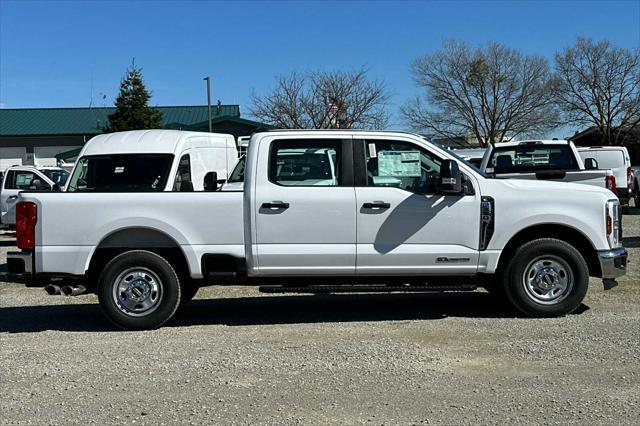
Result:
{"points": [[489, 93], [599, 85], [324, 100]]}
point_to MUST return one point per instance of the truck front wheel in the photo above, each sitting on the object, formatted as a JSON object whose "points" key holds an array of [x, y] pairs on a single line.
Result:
{"points": [[546, 278], [139, 290]]}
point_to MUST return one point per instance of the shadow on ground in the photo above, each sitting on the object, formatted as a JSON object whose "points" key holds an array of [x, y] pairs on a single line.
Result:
{"points": [[271, 310]]}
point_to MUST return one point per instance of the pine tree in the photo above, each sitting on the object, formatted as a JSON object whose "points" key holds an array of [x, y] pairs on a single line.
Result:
{"points": [[132, 105]]}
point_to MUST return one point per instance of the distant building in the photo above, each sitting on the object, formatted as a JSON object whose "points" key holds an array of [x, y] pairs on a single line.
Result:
{"points": [[39, 135]]}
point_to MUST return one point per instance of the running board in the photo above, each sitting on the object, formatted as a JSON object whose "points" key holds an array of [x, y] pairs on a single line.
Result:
{"points": [[366, 288]]}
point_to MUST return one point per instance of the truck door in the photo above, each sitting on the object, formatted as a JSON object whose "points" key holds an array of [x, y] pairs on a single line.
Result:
{"points": [[305, 215], [404, 225]]}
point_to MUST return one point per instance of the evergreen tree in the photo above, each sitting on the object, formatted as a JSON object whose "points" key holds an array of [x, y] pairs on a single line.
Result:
{"points": [[132, 105]]}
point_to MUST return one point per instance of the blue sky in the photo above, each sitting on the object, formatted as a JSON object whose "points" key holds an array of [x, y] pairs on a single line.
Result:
{"points": [[52, 51]]}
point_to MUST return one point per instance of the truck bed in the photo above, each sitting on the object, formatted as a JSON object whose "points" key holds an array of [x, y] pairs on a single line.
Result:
{"points": [[71, 225]]}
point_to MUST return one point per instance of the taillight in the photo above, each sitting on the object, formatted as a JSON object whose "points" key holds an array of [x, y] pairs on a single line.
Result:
{"points": [[629, 177], [610, 182], [26, 218]]}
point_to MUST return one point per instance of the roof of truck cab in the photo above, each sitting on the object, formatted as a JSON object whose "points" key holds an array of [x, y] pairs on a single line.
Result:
{"points": [[152, 141], [532, 142]]}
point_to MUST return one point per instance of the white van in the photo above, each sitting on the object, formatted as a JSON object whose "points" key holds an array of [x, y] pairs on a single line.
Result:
{"points": [[616, 159], [23, 178]]}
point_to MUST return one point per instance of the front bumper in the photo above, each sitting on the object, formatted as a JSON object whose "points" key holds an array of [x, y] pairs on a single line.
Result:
{"points": [[20, 262], [613, 263]]}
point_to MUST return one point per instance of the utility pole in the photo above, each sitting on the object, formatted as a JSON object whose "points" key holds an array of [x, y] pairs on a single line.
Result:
{"points": [[209, 100]]}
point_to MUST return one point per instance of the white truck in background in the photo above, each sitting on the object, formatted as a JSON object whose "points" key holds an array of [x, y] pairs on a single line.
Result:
{"points": [[616, 159], [552, 160], [21, 178], [366, 211]]}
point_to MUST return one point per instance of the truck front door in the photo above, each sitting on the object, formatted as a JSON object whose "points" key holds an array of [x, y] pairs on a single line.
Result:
{"points": [[305, 211], [404, 225]]}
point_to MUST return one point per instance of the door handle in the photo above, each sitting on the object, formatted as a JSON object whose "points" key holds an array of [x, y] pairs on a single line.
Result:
{"points": [[275, 205], [376, 205], [13, 197]]}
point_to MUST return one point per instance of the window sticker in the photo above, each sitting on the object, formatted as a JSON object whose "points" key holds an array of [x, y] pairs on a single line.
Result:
{"points": [[399, 163], [119, 169], [372, 150]]}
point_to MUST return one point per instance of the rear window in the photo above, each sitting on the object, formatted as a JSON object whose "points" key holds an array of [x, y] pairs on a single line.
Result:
{"points": [[531, 158], [121, 173], [606, 159]]}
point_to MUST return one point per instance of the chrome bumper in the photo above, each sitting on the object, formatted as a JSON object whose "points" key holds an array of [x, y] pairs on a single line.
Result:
{"points": [[20, 262], [613, 263]]}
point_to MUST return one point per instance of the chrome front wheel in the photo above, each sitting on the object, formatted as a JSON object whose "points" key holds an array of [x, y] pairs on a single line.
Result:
{"points": [[548, 280]]}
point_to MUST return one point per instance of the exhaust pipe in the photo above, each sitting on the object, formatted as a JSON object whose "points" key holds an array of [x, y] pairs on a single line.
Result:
{"points": [[73, 290], [52, 290]]}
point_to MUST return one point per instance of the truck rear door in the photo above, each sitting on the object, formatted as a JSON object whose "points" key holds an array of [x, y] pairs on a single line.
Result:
{"points": [[305, 214]]}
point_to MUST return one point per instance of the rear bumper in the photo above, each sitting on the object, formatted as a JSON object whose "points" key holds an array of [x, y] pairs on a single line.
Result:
{"points": [[613, 263], [20, 262]]}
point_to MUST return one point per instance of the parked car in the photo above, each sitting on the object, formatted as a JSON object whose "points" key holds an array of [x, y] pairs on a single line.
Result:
{"points": [[556, 160], [616, 159], [21, 178], [378, 211]]}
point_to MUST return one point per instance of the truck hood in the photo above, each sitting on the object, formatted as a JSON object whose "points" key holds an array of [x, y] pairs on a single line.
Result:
{"points": [[548, 186]]}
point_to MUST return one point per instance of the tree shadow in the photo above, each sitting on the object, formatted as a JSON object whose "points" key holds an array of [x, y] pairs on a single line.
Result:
{"points": [[270, 310]]}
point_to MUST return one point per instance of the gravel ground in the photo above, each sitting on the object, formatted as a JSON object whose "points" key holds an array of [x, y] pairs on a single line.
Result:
{"points": [[236, 356]]}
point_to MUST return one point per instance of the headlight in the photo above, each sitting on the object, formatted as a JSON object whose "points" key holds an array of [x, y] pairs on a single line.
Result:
{"points": [[613, 225]]}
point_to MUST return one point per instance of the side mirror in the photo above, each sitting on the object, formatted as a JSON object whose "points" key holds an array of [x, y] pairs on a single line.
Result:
{"points": [[590, 164], [211, 181], [450, 178]]}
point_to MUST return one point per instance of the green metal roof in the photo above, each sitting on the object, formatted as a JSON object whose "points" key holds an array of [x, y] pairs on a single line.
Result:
{"points": [[90, 121]]}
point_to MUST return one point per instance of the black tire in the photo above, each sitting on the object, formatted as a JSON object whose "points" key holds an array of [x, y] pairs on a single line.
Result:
{"points": [[188, 292], [133, 280], [546, 278]]}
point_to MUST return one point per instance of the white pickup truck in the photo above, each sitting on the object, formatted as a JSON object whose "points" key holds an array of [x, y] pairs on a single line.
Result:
{"points": [[556, 160], [377, 211]]}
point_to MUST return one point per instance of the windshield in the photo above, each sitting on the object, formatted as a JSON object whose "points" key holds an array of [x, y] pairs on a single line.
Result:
{"points": [[531, 158], [57, 176], [238, 172], [121, 173]]}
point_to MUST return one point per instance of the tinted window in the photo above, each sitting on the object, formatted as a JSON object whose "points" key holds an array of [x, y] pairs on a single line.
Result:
{"points": [[183, 181], [18, 180], [531, 158], [57, 176], [305, 163], [121, 173], [402, 165], [238, 172]]}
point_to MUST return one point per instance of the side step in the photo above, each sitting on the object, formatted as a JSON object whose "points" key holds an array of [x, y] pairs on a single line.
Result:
{"points": [[366, 288]]}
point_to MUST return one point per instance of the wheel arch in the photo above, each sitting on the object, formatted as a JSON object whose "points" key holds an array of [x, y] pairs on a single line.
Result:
{"points": [[136, 238], [559, 231]]}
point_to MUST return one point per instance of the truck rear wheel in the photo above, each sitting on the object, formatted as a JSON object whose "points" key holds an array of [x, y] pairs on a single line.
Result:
{"points": [[546, 278], [139, 290]]}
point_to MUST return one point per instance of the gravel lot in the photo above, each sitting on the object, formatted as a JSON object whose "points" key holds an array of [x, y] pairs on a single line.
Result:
{"points": [[237, 356]]}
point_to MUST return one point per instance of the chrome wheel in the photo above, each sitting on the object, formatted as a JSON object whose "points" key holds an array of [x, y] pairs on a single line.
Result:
{"points": [[548, 280], [137, 291]]}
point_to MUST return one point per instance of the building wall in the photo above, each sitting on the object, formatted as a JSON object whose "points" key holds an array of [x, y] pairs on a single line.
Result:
{"points": [[40, 150]]}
